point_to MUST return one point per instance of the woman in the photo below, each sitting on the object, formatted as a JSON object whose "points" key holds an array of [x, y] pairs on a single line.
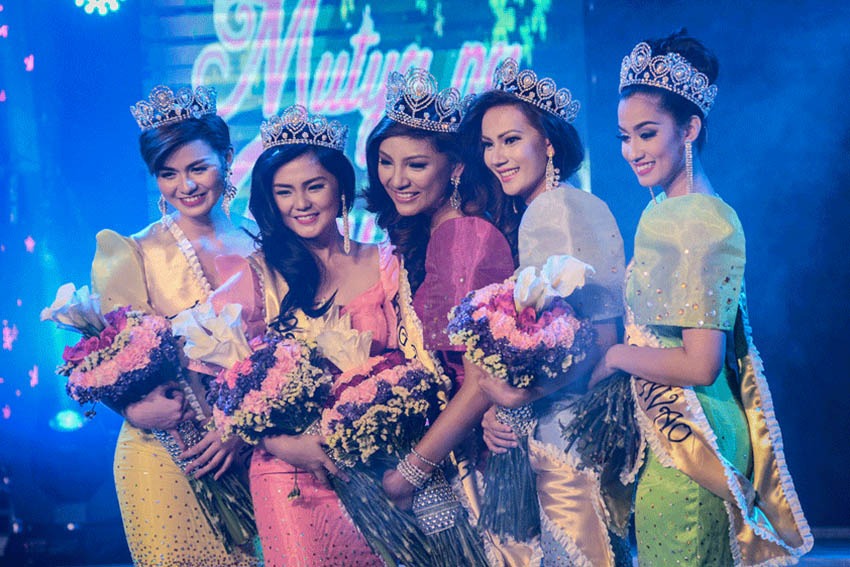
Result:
{"points": [[714, 489], [298, 189], [166, 268], [436, 221], [523, 144]]}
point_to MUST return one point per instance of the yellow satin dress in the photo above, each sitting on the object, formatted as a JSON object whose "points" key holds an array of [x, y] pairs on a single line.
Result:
{"points": [[157, 271]]}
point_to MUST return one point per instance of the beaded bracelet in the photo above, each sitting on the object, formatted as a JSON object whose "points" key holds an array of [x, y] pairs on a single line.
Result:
{"points": [[412, 474], [423, 459]]}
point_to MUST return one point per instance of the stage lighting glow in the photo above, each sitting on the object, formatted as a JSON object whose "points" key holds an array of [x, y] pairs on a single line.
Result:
{"points": [[103, 7], [67, 420]]}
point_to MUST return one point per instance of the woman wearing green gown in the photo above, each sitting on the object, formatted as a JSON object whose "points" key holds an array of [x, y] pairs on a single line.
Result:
{"points": [[714, 488]]}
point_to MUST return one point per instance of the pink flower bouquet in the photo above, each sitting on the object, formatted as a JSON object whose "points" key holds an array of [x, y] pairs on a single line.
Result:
{"points": [[131, 356], [280, 388], [522, 331], [377, 413]]}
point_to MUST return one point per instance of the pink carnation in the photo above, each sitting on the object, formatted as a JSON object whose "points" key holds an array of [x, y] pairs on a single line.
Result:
{"points": [[362, 394], [255, 402]]}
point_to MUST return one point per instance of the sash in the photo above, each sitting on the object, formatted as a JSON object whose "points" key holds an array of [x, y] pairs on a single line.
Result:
{"points": [[573, 508], [766, 523]]}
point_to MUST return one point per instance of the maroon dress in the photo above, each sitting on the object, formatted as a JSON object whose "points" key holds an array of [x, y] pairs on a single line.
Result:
{"points": [[464, 254]]}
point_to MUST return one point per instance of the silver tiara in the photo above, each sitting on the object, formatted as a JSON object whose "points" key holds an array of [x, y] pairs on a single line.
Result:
{"points": [[413, 99], [164, 106], [542, 93], [296, 126], [671, 72]]}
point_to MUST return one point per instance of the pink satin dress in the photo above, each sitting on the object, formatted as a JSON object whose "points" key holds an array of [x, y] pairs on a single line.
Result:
{"points": [[313, 530], [463, 254]]}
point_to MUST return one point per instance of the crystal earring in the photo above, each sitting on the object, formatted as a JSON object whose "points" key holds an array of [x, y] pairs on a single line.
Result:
{"points": [[513, 205], [346, 229], [163, 207], [230, 191], [689, 165], [552, 172], [454, 200]]}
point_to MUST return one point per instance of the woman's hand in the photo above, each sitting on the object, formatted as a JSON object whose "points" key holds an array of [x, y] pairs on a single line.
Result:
{"points": [[502, 394], [163, 408], [304, 452], [604, 368], [398, 489], [210, 452], [498, 436]]}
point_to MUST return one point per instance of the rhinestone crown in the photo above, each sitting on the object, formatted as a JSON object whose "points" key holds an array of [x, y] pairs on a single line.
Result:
{"points": [[296, 126], [542, 93], [413, 100], [671, 72], [164, 106]]}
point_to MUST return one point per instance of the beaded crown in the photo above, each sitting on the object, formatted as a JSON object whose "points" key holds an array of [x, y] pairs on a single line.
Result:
{"points": [[164, 106], [542, 93], [414, 100], [671, 72], [296, 126]]}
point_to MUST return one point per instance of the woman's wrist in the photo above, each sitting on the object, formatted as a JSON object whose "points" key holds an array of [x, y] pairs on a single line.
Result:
{"points": [[422, 462], [614, 356]]}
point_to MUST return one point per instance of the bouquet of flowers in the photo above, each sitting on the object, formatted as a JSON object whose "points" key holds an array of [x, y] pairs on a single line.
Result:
{"points": [[122, 357], [378, 410], [522, 331], [273, 386]]}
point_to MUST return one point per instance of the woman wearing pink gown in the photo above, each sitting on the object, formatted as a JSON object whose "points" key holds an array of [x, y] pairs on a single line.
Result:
{"points": [[298, 189]]}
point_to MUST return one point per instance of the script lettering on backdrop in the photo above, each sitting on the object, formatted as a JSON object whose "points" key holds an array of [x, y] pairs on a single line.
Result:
{"points": [[273, 46]]}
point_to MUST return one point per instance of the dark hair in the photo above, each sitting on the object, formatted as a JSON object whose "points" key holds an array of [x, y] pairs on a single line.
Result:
{"points": [[157, 144], [699, 56], [507, 211], [410, 235], [284, 250]]}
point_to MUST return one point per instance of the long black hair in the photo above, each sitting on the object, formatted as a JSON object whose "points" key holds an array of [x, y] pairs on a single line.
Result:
{"points": [[701, 58], [410, 235], [507, 211], [285, 251]]}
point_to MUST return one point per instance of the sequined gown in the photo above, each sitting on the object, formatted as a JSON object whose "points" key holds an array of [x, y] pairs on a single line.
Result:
{"points": [[314, 530], [688, 272], [157, 271]]}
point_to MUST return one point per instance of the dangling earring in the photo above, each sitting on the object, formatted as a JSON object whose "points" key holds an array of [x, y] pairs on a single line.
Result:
{"points": [[163, 207], [552, 172], [346, 232], [454, 200], [513, 204], [229, 193], [689, 165]]}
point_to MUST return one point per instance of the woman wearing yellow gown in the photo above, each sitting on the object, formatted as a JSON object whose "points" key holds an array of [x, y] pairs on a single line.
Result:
{"points": [[167, 267]]}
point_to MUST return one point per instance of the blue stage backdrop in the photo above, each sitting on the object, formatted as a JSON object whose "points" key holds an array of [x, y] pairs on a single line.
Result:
{"points": [[778, 151]]}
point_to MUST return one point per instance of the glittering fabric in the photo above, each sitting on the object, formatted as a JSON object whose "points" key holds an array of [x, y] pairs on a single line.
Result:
{"points": [[164, 525], [463, 254], [163, 522], [313, 530], [718, 492]]}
